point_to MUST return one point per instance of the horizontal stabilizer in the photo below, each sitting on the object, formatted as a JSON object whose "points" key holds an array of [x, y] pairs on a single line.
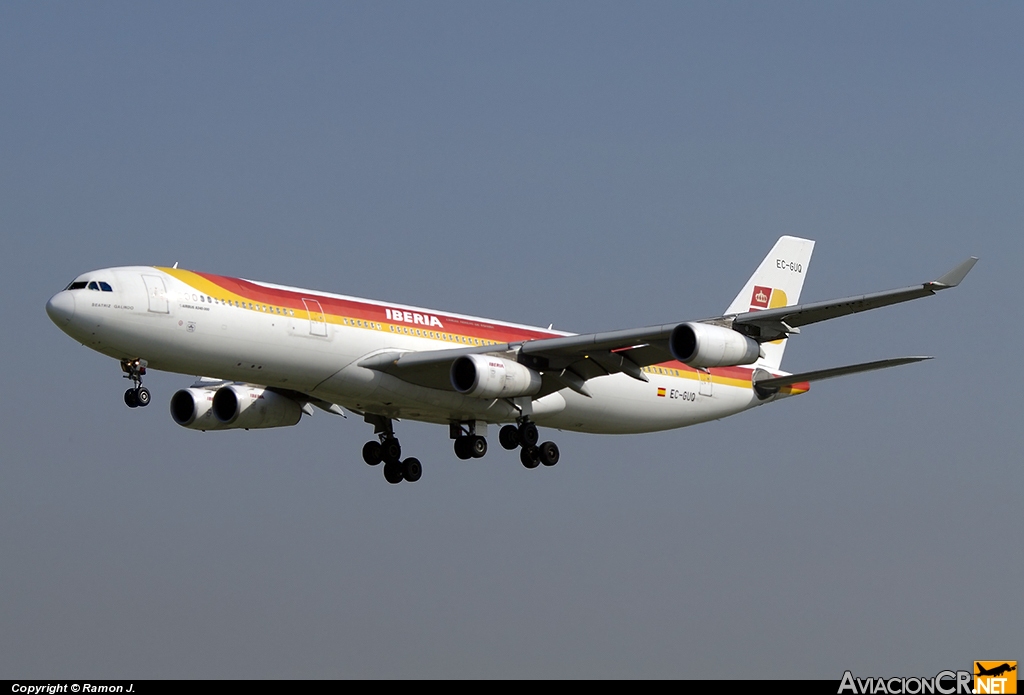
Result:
{"points": [[818, 375]]}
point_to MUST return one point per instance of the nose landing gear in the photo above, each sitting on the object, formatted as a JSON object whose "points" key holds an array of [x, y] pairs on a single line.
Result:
{"points": [[137, 396]]}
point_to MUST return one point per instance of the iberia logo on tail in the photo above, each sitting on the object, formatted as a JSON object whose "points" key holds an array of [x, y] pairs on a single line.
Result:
{"points": [[767, 298]]}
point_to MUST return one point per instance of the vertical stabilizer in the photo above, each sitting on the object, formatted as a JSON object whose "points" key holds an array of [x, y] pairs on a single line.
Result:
{"points": [[776, 282]]}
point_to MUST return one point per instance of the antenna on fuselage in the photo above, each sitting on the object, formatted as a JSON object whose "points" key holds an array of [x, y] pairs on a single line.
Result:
{"points": [[175, 266]]}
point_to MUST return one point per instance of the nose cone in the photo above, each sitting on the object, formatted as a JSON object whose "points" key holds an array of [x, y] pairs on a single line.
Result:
{"points": [[61, 308]]}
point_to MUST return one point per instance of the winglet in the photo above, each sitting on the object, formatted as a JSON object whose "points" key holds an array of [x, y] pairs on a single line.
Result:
{"points": [[955, 276]]}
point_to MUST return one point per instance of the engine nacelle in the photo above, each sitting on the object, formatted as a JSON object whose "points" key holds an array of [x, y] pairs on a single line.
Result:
{"points": [[193, 408], [252, 407], [483, 376], [703, 345]]}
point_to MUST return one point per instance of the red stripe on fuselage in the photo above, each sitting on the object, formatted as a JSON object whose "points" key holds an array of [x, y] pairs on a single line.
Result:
{"points": [[352, 308]]}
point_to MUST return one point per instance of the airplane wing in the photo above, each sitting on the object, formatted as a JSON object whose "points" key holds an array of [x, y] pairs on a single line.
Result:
{"points": [[596, 354], [771, 324], [570, 361], [566, 361]]}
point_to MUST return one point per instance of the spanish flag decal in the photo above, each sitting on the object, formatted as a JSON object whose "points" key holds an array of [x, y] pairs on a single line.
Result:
{"points": [[661, 393]]}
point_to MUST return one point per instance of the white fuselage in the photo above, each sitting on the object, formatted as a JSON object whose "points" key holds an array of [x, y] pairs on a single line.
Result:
{"points": [[311, 342]]}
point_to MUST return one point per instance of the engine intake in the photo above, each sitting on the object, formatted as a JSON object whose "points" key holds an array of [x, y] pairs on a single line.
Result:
{"points": [[192, 408], [484, 376], [704, 345]]}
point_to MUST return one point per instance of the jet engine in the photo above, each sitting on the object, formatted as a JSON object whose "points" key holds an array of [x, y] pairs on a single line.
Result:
{"points": [[253, 407], [704, 345], [484, 376], [236, 406], [193, 408]]}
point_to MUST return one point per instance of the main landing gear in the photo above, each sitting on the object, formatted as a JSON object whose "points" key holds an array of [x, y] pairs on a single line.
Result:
{"points": [[468, 444], [523, 436], [388, 450], [138, 396]]}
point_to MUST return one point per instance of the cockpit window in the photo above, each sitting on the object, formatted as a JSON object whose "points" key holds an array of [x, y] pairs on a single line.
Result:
{"points": [[106, 287], [94, 286], [76, 286]]}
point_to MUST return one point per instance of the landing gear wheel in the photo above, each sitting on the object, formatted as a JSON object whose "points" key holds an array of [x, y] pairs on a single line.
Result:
{"points": [[462, 449], [508, 437], [549, 453], [477, 446], [411, 469], [373, 453], [138, 396], [530, 456], [393, 472], [528, 434], [391, 450]]}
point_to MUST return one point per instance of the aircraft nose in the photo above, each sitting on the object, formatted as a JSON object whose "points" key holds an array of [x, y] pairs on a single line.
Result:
{"points": [[61, 308]]}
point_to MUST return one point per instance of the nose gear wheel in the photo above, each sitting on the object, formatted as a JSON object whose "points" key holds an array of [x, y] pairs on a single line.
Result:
{"points": [[138, 396]]}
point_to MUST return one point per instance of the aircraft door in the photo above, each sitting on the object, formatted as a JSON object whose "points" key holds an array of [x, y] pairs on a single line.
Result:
{"points": [[157, 294], [705, 382], [317, 319]]}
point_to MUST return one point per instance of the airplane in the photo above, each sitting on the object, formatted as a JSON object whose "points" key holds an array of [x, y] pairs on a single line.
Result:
{"points": [[995, 671], [269, 354]]}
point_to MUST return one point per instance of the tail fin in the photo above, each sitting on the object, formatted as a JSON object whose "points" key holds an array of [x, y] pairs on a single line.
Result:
{"points": [[776, 282]]}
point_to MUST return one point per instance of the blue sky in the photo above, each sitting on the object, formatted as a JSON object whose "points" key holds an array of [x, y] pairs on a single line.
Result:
{"points": [[592, 165]]}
